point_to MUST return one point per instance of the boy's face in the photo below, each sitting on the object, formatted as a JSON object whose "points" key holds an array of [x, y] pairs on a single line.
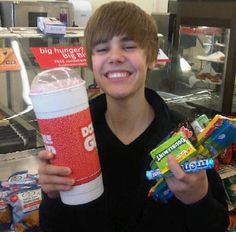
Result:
{"points": [[119, 66]]}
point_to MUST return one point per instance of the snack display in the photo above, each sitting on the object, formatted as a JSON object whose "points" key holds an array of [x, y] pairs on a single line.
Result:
{"points": [[20, 197], [25, 204]]}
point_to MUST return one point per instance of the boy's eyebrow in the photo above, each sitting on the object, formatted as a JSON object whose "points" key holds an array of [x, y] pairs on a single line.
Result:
{"points": [[125, 38], [103, 40], [100, 41]]}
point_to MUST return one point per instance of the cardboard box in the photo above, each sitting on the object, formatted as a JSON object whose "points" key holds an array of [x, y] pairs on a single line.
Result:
{"points": [[50, 25]]}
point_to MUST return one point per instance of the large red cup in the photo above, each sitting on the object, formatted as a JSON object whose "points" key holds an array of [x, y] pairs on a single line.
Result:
{"points": [[61, 106]]}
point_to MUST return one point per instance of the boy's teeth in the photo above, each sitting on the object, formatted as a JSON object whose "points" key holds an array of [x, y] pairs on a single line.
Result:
{"points": [[117, 74]]}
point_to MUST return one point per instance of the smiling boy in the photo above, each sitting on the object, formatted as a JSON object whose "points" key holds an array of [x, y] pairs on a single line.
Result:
{"points": [[129, 120]]}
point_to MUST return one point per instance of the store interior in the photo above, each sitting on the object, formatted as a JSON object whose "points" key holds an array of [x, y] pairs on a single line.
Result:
{"points": [[195, 76]]}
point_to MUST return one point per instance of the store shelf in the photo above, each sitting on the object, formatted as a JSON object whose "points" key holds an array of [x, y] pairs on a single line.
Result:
{"points": [[33, 32], [177, 99], [201, 30], [217, 57], [215, 44]]}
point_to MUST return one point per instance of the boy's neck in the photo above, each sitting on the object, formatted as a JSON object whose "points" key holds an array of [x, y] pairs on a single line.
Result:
{"points": [[127, 118]]}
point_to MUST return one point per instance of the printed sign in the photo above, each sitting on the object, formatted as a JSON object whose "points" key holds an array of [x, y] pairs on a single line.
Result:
{"points": [[8, 60], [162, 57], [60, 56]]}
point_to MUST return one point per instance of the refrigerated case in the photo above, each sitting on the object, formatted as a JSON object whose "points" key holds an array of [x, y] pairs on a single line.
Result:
{"points": [[206, 45], [201, 75]]}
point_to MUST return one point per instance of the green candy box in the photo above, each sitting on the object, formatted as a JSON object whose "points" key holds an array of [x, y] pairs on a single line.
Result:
{"points": [[177, 145]]}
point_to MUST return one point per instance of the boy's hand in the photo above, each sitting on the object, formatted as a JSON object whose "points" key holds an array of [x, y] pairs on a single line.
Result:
{"points": [[188, 188], [53, 178]]}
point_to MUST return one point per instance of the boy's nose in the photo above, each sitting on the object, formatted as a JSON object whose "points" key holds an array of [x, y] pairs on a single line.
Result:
{"points": [[116, 55]]}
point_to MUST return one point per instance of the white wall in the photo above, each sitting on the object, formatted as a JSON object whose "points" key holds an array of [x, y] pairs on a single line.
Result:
{"points": [[148, 5], [160, 6]]}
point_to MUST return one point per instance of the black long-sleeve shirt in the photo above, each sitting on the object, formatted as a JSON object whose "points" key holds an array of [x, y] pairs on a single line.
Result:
{"points": [[124, 205]]}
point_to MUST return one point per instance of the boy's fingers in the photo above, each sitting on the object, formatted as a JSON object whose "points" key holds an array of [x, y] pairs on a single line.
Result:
{"points": [[175, 167], [53, 170], [48, 180], [45, 156]]}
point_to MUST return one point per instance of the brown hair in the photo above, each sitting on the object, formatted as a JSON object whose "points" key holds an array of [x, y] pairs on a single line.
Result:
{"points": [[122, 18]]}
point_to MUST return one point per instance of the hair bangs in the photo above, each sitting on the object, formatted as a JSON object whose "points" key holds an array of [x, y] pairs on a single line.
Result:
{"points": [[118, 25]]}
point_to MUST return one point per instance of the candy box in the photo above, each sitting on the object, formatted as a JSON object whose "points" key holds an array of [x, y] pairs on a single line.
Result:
{"points": [[218, 135], [200, 123], [212, 125], [50, 25], [221, 138], [177, 145], [160, 191]]}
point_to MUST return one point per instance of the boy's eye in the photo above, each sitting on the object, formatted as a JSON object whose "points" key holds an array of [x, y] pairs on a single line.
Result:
{"points": [[100, 48], [130, 46]]}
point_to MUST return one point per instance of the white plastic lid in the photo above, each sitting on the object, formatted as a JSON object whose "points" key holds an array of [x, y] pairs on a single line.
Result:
{"points": [[55, 79]]}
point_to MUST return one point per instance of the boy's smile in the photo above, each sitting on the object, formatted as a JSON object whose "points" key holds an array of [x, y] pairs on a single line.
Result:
{"points": [[117, 75]]}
